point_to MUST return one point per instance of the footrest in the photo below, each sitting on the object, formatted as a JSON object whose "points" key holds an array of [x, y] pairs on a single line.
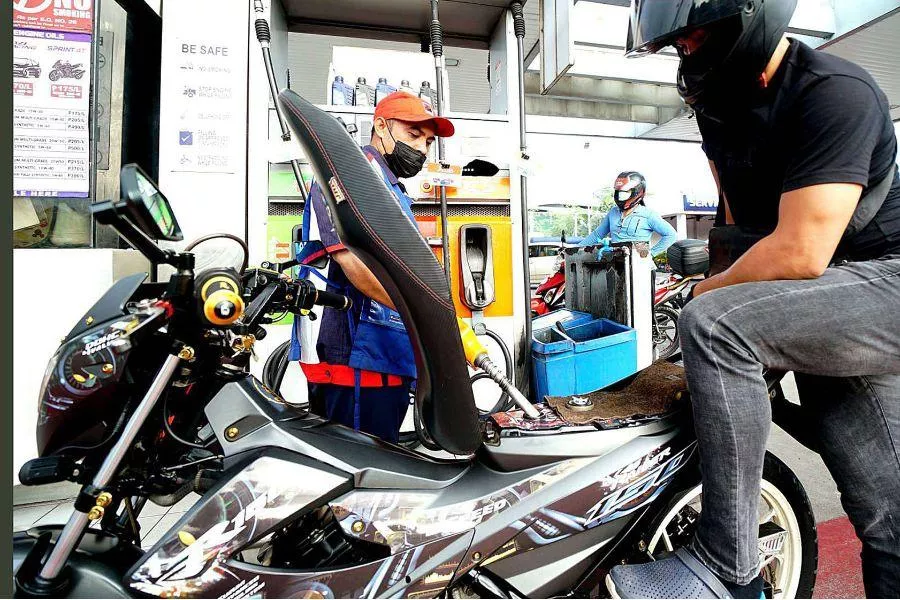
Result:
{"points": [[656, 391]]}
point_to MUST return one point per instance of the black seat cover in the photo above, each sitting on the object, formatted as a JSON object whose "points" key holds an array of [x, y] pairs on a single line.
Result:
{"points": [[370, 222]]}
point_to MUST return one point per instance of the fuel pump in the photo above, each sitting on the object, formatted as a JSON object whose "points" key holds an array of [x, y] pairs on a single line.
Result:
{"points": [[477, 292]]}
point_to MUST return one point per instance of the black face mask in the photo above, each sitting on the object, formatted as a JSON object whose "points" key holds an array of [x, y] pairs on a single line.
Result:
{"points": [[405, 161]]}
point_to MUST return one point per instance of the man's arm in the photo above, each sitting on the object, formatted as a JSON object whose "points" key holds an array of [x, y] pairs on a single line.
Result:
{"points": [[729, 220], [667, 233], [811, 221], [361, 277]]}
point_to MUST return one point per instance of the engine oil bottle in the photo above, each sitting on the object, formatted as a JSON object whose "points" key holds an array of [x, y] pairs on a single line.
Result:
{"points": [[404, 87], [383, 89], [363, 95], [341, 93], [427, 93]]}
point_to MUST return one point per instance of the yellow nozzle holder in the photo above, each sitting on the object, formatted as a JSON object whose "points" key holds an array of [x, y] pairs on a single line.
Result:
{"points": [[223, 308], [472, 347]]}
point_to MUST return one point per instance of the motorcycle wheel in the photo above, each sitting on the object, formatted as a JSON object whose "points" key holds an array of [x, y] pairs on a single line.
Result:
{"points": [[54, 75], [790, 573], [666, 341]]}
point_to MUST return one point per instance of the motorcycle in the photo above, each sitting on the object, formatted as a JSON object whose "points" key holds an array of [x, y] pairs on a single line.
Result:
{"points": [[668, 300], [149, 397], [62, 69], [550, 294]]}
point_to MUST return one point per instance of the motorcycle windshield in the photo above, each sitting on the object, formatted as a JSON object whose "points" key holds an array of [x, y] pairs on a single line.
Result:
{"points": [[110, 305]]}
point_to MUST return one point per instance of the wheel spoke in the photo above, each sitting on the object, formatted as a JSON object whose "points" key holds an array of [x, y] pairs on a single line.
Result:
{"points": [[770, 514]]}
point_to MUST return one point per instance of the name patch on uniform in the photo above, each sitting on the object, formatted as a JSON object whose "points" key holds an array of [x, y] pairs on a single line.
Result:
{"points": [[336, 190]]}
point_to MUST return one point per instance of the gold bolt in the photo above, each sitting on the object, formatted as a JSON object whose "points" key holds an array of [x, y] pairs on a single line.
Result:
{"points": [[642, 545], [89, 320], [104, 499], [476, 557], [107, 368], [358, 526], [232, 432], [95, 513], [186, 353]]}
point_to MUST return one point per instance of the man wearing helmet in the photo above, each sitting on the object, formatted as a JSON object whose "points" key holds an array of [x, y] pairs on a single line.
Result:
{"points": [[802, 147], [630, 220]]}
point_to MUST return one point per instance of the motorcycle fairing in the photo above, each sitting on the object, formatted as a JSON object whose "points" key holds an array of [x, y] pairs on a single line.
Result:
{"points": [[261, 492], [373, 462], [408, 519]]}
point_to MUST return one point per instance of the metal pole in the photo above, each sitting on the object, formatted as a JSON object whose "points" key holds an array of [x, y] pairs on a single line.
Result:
{"points": [[92, 116], [437, 49], [519, 28], [76, 524], [264, 36]]}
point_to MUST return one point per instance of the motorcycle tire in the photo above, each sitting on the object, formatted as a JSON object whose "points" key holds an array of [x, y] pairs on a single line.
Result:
{"points": [[54, 75], [792, 501], [664, 350]]}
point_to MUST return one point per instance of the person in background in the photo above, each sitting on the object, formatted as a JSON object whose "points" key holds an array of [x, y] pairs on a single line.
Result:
{"points": [[359, 365], [630, 220]]}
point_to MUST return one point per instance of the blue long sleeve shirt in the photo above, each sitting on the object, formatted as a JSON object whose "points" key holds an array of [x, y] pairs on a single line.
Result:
{"points": [[638, 226]]}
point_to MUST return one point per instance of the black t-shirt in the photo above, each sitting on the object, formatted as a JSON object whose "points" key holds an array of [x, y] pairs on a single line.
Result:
{"points": [[825, 120]]}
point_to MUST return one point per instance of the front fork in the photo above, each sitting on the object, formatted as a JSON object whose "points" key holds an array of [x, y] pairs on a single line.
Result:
{"points": [[92, 500]]}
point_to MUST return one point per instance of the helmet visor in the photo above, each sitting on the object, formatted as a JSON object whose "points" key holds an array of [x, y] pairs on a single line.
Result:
{"points": [[622, 196], [656, 24]]}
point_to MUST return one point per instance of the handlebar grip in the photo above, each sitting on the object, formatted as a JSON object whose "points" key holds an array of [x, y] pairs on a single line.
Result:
{"points": [[332, 300]]}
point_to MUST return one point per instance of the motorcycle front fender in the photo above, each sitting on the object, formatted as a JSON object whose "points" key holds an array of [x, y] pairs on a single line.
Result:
{"points": [[95, 570]]}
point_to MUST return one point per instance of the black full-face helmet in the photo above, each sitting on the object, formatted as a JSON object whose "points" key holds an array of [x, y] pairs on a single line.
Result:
{"points": [[724, 45], [629, 190]]}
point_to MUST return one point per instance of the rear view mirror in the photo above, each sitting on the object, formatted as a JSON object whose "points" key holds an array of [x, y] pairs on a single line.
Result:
{"points": [[147, 207], [312, 254]]}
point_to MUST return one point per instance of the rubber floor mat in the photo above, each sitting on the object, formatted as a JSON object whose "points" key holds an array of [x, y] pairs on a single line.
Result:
{"points": [[655, 391]]}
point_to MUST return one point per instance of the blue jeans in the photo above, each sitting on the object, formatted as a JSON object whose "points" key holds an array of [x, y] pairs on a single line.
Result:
{"points": [[840, 334], [381, 409]]}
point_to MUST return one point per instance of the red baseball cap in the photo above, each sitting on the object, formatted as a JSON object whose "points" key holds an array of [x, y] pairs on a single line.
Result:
{"points": [[406, 107]]}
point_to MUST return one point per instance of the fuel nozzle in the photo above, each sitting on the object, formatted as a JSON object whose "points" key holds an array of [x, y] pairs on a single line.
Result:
{"points": [[477, 356]]}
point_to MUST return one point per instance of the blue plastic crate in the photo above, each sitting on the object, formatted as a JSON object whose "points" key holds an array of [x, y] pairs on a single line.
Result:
{"points": [[582, 358], [568, 318]]}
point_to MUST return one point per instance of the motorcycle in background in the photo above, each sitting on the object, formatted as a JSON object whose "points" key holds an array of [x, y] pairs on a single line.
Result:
{"points": [[550, 294], [62, 69], [668, 300]]}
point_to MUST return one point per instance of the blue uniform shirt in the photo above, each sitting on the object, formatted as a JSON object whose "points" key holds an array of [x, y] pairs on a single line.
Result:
{"points": [[638, 226], [335, 341]]}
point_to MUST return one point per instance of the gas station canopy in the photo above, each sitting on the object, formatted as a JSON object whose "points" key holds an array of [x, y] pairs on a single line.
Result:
{"points": [[468, 23]]}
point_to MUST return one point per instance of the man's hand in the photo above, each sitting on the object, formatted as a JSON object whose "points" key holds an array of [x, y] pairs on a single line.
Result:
{"points": [[811, 221], [361, 277]]}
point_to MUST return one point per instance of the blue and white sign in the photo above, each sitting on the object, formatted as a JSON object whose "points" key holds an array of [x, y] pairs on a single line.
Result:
{"points": [[702, 205]]}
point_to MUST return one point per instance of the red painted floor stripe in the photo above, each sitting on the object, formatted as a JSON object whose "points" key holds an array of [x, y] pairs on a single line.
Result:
{"points": [[840, 568]]}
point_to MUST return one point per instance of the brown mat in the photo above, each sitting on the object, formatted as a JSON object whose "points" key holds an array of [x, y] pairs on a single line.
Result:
{"points": [[654, 391]]}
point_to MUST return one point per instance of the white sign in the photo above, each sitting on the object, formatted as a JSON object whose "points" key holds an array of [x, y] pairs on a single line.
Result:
{"points": [[51, 100], [208, 95], [203, 114]]}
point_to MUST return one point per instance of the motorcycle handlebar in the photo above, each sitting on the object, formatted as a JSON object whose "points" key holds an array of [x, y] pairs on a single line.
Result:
{"points": [[332, 300]]}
